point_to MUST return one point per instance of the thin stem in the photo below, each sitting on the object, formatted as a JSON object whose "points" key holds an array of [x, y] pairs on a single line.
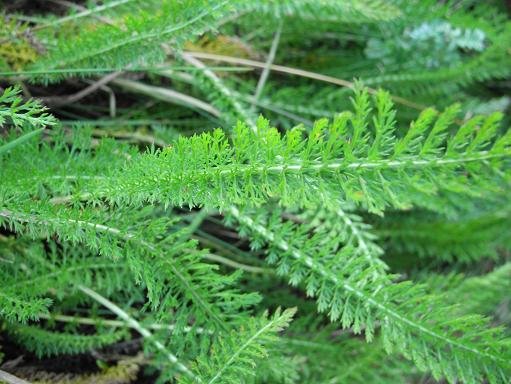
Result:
{"points": [[139, 328], [298, 72], [267, 68], [83, 13], [235, 264], [20, 140], [116, 323], [405, 163], [162, 70]]}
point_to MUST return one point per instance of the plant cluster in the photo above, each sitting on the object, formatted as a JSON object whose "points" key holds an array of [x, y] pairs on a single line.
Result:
{"points": [[155, 227]]}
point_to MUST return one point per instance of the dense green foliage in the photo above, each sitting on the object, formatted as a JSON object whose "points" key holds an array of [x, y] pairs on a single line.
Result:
{"points": [[151, 217]]}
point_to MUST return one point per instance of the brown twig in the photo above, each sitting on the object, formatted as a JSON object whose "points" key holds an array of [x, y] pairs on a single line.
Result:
{"points": [[297, 72], [6, 377], [57, 101]]}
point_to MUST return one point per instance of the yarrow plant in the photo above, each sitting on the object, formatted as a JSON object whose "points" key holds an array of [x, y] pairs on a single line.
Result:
{"points": [[158, 228]]}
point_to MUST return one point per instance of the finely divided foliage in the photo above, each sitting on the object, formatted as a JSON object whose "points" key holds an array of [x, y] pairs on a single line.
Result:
{"points": [[370, 221], [411, 321], [347, 159]]}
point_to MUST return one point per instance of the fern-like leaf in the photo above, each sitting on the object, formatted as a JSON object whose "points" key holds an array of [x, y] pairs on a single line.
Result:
{"points": [[235, 356], [419, 326], [29, 114], [136, 39], [187, 285], [426, 167], [48, 343]]}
